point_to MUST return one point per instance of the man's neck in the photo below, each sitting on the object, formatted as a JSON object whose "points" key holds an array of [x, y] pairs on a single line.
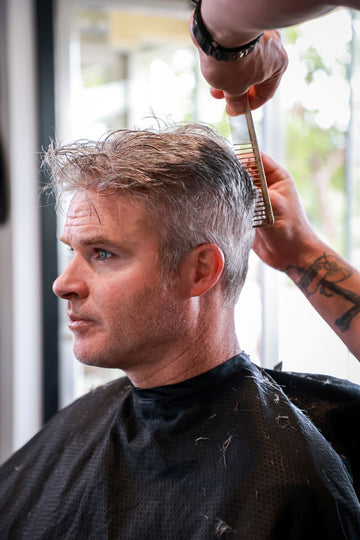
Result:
{"points": [[208, 349]]}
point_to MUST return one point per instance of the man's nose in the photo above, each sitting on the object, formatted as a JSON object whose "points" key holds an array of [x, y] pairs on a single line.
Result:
{"points": [[72, 282]]}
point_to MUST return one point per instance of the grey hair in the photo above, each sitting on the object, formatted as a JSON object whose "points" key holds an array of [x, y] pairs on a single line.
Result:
{"points": [[187, 177]]}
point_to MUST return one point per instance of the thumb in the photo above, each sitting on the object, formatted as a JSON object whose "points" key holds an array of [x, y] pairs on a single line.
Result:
{"points": [[235, 105]]}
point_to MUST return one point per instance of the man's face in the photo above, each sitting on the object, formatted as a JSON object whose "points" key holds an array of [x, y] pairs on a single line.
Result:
{"points": [[121, 312]]}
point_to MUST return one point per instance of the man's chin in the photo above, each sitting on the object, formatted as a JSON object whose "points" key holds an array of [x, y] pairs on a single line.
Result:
{"points": [[91, 360], [89, 356]]}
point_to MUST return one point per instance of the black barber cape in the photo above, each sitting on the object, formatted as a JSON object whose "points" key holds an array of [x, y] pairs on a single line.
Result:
{"points": [[222, 455]]}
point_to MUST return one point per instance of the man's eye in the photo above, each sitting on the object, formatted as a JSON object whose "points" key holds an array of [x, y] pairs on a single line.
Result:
{"points": [[103, 254]]}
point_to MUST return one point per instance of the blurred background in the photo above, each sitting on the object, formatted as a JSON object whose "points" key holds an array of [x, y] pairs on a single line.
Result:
{"points": [[74, 69]]}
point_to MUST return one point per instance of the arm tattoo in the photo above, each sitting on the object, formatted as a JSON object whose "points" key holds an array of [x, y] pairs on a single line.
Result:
{"points": [[323, 277]]}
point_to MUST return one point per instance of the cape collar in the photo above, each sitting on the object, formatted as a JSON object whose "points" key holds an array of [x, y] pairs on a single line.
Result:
{"points": [[151, 401]]}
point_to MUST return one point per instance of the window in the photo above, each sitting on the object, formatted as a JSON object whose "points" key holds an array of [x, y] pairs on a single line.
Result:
{"points": [[122, 64], [319, 104]]}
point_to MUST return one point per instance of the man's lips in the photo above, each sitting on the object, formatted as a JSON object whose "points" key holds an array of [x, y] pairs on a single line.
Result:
{"points": [[79, 322]]}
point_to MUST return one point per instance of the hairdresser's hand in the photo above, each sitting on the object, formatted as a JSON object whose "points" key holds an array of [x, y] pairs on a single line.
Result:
{"points": [[291, 239], [257, 74], [328, 281]]}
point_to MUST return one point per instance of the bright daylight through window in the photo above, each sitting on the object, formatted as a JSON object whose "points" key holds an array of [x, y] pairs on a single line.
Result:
{"points": [[124, 64]]}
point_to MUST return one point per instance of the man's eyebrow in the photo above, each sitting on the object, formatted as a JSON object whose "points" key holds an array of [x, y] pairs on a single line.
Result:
{"points": [[91, 240]]}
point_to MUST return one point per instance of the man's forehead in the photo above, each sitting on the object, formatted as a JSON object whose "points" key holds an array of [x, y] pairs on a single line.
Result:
{"points": [[106, 212], [86, 206], [94, 207]]}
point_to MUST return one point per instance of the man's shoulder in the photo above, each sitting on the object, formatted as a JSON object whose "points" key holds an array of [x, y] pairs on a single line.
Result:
{"points": [[100, 402], [82, 419], [99, 398]]}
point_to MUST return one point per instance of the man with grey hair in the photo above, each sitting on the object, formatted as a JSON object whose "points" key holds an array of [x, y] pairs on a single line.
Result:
{"points": [[196, 442]]}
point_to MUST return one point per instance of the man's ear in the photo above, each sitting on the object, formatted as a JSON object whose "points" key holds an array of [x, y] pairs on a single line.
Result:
{"points": [[201, 269]]}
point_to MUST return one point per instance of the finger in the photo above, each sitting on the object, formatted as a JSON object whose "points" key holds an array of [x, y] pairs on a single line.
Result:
{"points": [[217, 94], [273, 171], [270, 165], [235, 105], [259, 94]]}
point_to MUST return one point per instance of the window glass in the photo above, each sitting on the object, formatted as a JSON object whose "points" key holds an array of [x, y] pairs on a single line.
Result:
{"points": [[318, 102], [133, 65]]}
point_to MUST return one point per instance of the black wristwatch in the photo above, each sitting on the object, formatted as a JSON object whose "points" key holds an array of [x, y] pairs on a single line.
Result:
{"points": [[213, 49]]}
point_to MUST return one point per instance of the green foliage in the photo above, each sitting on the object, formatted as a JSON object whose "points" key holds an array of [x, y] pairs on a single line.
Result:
{"points": [[316, 156], [313, 63], [292, 34], [317, 164], [223, 125]]}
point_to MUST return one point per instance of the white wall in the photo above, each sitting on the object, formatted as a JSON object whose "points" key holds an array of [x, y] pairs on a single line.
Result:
{"points": [[20, 313]]}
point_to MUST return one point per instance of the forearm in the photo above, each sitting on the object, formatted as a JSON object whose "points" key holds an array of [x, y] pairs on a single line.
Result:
{"points": [[332, 286], [235, 22], [328, 281]]}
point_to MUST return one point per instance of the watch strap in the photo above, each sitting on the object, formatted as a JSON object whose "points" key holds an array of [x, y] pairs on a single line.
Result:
{"points": [[212, 48]]}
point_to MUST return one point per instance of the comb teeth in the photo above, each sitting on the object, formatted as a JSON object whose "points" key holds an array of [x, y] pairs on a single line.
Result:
{"points": [[263, 216], [249, 155]]}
